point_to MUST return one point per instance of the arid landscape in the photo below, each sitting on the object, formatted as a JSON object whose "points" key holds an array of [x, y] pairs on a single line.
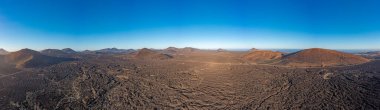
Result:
{"points": [[189, 55], [188, 78]]}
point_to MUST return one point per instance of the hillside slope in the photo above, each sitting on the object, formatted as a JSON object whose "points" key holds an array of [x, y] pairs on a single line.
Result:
{"points": [[152, 55], [27, 58], [262, 55], [321, 57]]}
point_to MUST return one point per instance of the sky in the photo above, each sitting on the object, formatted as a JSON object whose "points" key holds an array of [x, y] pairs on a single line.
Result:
{"points": [[207, 24]]}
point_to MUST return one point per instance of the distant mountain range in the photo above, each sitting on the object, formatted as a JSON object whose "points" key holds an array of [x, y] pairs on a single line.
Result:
{"points": [[151, 55], [174, 50], [27, 58], [115, 50], [3, 52], [110, 51], [372, 54], [307, 57]]}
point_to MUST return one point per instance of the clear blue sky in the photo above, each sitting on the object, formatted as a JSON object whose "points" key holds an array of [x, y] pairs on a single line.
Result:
{"points": [[95, 24]]}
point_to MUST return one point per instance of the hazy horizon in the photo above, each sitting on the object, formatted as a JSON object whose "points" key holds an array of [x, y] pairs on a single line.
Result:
{"points": [[211, 24], [229, 49]]}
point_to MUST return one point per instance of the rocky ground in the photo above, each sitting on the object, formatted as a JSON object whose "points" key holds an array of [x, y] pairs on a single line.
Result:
{"points": [[117, 83]]}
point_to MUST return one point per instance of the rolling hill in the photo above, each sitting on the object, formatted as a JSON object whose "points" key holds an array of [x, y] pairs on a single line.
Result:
{"points": [[27, 58], [262, 55], [150, 54], [321, 57]]}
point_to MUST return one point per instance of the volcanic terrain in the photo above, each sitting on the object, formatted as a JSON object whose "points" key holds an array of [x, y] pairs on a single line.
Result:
{"points": [[191, 79], [262, 56], [27, 58], [151, 55], [322, 57]]}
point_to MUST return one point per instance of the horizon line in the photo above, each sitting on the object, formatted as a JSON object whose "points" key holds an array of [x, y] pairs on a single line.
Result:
{"points": [[231, 49]]}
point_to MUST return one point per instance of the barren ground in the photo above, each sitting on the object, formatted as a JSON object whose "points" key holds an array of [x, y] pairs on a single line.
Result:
{"points": [[217, 81]]}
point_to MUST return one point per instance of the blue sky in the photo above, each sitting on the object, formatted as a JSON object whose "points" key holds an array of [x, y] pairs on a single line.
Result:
{"points": [[230, 24]]}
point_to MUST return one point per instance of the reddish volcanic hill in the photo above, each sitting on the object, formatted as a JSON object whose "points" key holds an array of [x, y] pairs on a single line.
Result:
{"points": [[321, 57], [150, 54], [21, 55], [27, 58], [262, 55]]}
